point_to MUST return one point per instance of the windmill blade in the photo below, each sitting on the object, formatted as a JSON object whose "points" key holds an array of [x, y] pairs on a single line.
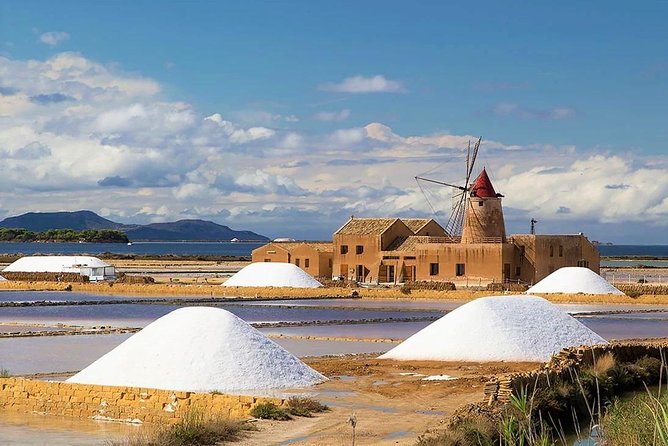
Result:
{"points": [[475, 155], [418, 179]]}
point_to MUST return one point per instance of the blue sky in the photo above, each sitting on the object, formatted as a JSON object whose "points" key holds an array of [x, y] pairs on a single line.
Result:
{"points": [[393, 86]]}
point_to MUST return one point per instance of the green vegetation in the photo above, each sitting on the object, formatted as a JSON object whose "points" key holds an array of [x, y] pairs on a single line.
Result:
{"points": [[63, 235], [270, 411], [305, 407], [541, 415], [5, 373], [192, 430]]}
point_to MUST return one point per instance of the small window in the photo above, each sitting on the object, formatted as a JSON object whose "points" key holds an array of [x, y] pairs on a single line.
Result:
{"points": [[551, 251], [297, 262], [306, 263], [561, 251], [330, 263], [583, 263], [271, 252], [480, 203], [460, 270], [359, 249], [344, 249], [517, 271], [433, 269], [267, 260]]}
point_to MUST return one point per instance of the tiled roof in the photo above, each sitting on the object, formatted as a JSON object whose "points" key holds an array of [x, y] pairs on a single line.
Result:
{"points": [[366, 226], [407, 243], [482, 187], [415, 224], [318, 246]]}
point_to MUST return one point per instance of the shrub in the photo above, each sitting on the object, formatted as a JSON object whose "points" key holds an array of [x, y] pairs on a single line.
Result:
{"points": [[269, 411], [192, 430], [5, 373], [305, 407]]}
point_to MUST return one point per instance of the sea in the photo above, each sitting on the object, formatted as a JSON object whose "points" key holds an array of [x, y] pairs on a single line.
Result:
{"points": [[240, 249]]}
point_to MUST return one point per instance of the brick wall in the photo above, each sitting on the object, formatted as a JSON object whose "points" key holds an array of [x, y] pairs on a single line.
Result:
{"points": [[131, 404]]}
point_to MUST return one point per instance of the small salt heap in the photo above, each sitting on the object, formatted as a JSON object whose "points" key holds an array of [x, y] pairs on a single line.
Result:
{"points": [[2, 279], [573, 280], [199, 349], [498, 328], [265, 274]]}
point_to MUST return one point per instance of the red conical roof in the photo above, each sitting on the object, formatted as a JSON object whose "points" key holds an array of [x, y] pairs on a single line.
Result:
{"points": [[482, 187]]}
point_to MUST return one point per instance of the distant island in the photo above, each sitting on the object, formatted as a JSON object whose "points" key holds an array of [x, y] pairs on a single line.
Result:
{"points": [[63, 235], [41, 223]]}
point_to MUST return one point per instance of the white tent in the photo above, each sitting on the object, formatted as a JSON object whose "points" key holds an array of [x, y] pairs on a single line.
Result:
{"points": [[499, 328], [93, 267], [574, 280], [275, 274], [199, 349]]}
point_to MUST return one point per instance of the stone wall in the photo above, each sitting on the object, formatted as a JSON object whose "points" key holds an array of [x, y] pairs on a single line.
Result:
{"points": [[129, 404]]}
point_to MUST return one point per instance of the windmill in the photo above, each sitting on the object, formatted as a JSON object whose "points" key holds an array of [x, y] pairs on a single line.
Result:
{"points": [[460, 194]]}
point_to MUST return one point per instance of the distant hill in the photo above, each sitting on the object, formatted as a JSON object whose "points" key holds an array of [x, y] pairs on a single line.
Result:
{"points": [[191, 230], [182, 230], [43, 221]]}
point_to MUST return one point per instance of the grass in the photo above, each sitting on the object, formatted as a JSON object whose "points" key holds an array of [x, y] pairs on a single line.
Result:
{"points": [[5, 373], [305, 407], [639, 421], [270, 411], [194, 429]]}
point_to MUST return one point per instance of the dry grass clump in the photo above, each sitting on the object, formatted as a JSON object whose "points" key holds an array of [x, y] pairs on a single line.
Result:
{"points": [[44, 277], [602, 365], [640, 289], [192, 430]]}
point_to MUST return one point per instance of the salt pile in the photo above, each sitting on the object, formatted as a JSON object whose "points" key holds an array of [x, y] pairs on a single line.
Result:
{"points": [[574, 280], [54, 264], [2, 279], [498, 328], [199, 349], [263, 274]]}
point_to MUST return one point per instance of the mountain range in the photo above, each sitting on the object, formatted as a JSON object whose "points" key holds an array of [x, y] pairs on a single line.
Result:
{"points": [[182, 230]]}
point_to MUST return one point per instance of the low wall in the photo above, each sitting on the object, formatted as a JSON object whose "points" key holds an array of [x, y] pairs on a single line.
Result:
{"points": [[501, 387], [127, 404]]}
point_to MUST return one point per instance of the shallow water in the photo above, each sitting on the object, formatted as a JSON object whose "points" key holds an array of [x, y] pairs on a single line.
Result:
{"points": [[38, 430]]}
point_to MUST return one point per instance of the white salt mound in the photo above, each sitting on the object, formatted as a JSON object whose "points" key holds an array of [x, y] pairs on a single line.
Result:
{"points": [[499, 328], [2, 279], [199, 349], [574, 280], [263, 274], [53, 264]]}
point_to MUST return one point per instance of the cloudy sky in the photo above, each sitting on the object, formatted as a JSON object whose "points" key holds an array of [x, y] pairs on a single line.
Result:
{"points": [[288, 117]]}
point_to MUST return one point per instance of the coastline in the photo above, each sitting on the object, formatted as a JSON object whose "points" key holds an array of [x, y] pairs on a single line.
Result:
{"points": [[271, 293]]}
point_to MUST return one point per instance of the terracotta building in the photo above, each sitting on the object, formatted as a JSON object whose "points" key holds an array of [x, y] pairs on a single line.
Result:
{"points": [[313, 257], [394, 250]]}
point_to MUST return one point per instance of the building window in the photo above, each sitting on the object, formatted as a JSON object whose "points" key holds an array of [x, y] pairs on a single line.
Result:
{"points": [[330, 263], [561, 250], [297, 262], [306, 263], [271, 252], [517, 271], [267, 260], [344, 249], [583, 263], [460, 270], [433, 269], [359, 249], [480, 203], [551, 251]]}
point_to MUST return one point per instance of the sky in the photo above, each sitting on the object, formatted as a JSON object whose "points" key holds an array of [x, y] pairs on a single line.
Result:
{"points": [[286, 118]]}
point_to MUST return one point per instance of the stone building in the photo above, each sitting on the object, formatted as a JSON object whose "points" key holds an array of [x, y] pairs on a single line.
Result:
{"points": [[395, 250], [313, 257]]}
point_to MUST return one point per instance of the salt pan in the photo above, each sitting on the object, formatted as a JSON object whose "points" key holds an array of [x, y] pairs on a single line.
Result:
{"points": [[574, 280], [199, 349], [265, 274], [54, 264], [498, 328]]}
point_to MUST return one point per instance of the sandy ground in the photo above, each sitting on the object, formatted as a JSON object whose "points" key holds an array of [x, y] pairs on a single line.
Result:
{"points": [[390, 400]]}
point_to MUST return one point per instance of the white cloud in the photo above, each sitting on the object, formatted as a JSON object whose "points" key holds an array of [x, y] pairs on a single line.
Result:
{"points": [[54, 38], [362, 84], [332, 116], [555, 113]]}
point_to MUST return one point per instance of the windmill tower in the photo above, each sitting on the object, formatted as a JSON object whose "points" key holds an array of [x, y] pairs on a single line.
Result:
{"points": [[483, 221], [477, 215]]}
